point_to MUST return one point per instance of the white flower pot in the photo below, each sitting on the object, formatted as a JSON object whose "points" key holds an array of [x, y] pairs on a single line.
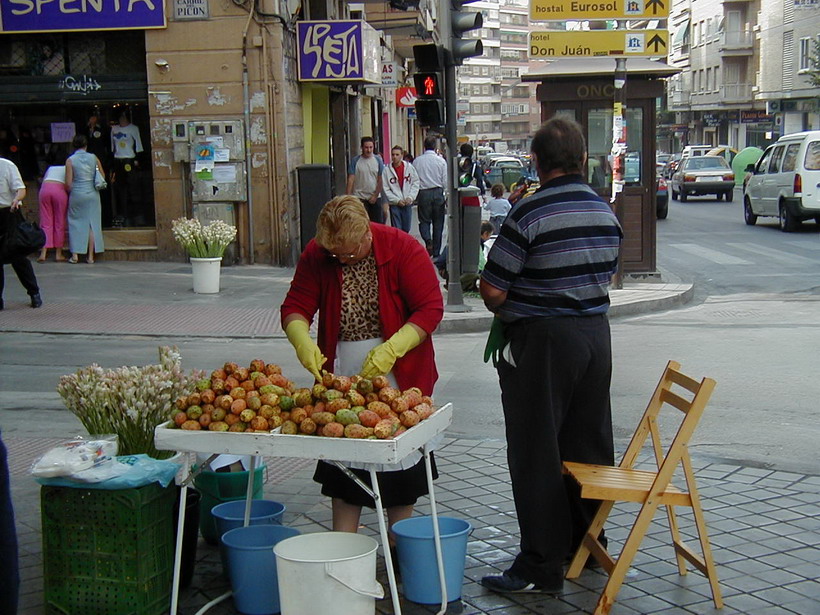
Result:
{"points": [[206, 274]]}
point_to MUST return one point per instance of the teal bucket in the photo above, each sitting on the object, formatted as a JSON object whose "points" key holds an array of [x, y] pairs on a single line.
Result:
{"points": [[252, 566], [417, 557], [218, 487]]}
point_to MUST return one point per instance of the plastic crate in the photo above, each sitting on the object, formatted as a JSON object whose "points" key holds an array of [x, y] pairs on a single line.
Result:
{"points": [[108, 551]]}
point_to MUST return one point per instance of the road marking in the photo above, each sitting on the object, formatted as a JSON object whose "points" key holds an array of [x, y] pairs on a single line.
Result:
{"points": [[805, 245], [778, 255], [720, 258]]}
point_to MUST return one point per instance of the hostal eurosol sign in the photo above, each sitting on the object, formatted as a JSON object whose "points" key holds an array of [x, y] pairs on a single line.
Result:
{"points": [[569, 10]]}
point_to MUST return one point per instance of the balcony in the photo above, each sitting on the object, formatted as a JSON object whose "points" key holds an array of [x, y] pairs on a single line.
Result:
{"points": [[733, 93], [679, 98], [736, 43]]}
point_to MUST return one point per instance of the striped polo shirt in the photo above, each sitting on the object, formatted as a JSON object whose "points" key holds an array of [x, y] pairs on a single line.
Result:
{"points": [[556, 253]]}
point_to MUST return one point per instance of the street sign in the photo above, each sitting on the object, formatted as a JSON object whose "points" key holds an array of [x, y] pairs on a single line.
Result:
{"points": [[574, 10], [598, 43]]}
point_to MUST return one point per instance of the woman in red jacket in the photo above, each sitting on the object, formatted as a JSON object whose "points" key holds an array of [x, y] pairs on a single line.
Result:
{"points": [[378, 299]]}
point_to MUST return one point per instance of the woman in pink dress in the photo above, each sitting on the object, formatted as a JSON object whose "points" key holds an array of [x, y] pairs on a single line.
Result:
{"points": [[53, 212]]}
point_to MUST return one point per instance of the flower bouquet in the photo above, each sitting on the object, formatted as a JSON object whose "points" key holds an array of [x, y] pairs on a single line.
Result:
{"points": [[203, 241], [129, 401]]}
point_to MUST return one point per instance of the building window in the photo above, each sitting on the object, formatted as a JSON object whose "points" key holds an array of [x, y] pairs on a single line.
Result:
{"points": [[806, 49]]}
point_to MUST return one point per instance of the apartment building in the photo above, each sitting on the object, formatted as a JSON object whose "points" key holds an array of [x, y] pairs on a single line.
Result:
{"points": [[744, 71]]}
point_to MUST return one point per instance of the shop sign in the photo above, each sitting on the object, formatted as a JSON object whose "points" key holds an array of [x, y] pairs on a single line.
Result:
{"points": [[69, 15], [755, 117], [191, 10], [406, 97], [711, 120], [339, 51], [390, 75]]}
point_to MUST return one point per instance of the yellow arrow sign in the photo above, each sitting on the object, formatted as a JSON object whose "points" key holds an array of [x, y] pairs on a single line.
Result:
{"points": [[565, 10], [598, 43]]}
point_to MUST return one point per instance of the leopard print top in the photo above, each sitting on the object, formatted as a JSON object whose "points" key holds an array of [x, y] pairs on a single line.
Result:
{"points": [[360, 301]]}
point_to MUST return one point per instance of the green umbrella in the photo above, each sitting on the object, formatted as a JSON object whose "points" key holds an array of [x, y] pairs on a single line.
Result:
{"points": [[744, 158]]}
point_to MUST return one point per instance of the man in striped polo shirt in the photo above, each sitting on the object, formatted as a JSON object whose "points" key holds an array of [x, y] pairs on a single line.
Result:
{"points": [[546, 279]]}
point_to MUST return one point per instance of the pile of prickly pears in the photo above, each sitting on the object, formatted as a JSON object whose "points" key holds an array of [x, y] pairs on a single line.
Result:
{"points": [[259, 398]]}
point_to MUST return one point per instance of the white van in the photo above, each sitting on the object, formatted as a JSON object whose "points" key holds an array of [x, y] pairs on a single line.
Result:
{"points": [[785, 182], [691, 151]]}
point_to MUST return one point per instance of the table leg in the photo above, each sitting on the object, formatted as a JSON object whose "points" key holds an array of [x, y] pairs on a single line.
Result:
{"points": [[388, 557], [249, 492], [183, 495], [436, 533]]}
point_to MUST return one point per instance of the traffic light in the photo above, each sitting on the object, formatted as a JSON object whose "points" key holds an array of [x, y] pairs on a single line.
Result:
{"points": [[429, 82], [461, 22]]}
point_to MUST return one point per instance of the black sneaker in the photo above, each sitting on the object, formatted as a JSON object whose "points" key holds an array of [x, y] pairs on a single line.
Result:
{"points": [[510, 583], [36, 301]]}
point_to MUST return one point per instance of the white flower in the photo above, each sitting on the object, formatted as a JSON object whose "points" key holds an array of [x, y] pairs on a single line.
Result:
{"points": [[203, 241]]}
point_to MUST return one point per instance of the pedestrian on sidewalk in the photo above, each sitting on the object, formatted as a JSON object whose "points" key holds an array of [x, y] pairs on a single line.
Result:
{"points": [[53, 199], [378, 301], [547, 279], [401, 186], [84, 207], [432, 199], [12, 193], [364, 179]]}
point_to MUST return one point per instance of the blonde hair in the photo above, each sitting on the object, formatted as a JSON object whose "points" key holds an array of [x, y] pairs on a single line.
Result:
{"points": [[342, 221]]}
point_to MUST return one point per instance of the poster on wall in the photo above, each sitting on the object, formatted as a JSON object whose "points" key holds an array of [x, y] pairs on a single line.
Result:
{"points": [[49, 16], [62, 132]]}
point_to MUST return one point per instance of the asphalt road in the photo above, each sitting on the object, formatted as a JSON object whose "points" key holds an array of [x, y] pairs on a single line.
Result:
{"points": [[754, 326]]}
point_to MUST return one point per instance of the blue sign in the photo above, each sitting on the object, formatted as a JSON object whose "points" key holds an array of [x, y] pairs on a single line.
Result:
{"points": [[68, 15], [346, 51]]}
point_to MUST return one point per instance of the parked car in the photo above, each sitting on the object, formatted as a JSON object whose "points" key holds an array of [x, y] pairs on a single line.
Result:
{"points": [[703, 175], [785, 182], [661, 198], [671, 165]]}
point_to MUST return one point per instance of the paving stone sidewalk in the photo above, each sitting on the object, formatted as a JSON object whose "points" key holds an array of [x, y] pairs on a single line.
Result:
{"points": [[763, 524]]}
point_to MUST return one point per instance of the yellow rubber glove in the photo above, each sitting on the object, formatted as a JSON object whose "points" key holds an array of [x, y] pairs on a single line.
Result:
{"points": [[381, 359], [307, 351]]}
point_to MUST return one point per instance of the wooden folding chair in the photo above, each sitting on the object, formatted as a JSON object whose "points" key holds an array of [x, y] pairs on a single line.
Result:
{"points": [[651, 489]]}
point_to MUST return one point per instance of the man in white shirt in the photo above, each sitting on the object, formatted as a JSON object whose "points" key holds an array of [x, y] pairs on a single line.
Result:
{"points": [[401, 186], [431, 201], [364, 179], [12, 193], [126, 144]]}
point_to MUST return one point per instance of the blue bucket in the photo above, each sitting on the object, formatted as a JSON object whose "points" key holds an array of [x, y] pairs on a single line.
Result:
{"points": [[252, 566], [417, 557], [230, 515]]}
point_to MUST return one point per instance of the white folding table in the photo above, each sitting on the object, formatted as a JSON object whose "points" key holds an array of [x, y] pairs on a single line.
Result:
{"points": [[334, 450]]}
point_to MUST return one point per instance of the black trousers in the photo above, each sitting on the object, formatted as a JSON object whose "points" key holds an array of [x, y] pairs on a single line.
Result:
{"points": [[21, 264], [556, 408], [10, 579]]}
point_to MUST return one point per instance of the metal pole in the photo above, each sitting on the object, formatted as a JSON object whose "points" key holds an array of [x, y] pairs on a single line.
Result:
{"points": [[455, 299], [619, 155]]}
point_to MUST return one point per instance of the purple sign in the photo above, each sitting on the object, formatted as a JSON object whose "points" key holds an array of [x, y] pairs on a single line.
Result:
{"points": [[338, 51], [62, 15]]}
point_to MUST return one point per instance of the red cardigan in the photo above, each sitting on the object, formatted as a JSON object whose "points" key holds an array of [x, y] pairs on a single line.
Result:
{"points": [[409, 291]]}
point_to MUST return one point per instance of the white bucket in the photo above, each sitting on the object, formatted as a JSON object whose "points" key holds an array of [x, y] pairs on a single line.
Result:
{"points": [[206, 274], [329, 573]]}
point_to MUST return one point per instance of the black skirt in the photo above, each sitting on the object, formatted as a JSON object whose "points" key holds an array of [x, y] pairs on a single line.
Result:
{"points": [[399, 488]]}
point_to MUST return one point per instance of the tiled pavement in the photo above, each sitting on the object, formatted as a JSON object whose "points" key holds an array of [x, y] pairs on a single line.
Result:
{"points": [[764, 526]]}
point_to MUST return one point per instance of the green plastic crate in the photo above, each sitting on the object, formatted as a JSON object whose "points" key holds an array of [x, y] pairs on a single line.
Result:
{"points": [[108, 551]]}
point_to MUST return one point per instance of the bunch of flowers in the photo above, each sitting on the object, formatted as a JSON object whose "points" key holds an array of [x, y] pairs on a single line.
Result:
{"points": [[203, 241], [129, 401]]}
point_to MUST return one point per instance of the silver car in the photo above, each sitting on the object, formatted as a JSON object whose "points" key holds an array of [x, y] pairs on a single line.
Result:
{"points": [[702, 175]]}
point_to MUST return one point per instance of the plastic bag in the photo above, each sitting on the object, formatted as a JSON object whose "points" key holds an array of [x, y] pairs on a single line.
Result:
{"points": [[80, 459], [131, 471]]}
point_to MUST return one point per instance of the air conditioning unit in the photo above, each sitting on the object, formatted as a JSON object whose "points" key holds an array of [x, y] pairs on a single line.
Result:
{"points": [[773, 106]]}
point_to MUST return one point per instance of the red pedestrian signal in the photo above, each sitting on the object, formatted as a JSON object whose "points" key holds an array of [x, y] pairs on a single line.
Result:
{"points": [[428, 85]]}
